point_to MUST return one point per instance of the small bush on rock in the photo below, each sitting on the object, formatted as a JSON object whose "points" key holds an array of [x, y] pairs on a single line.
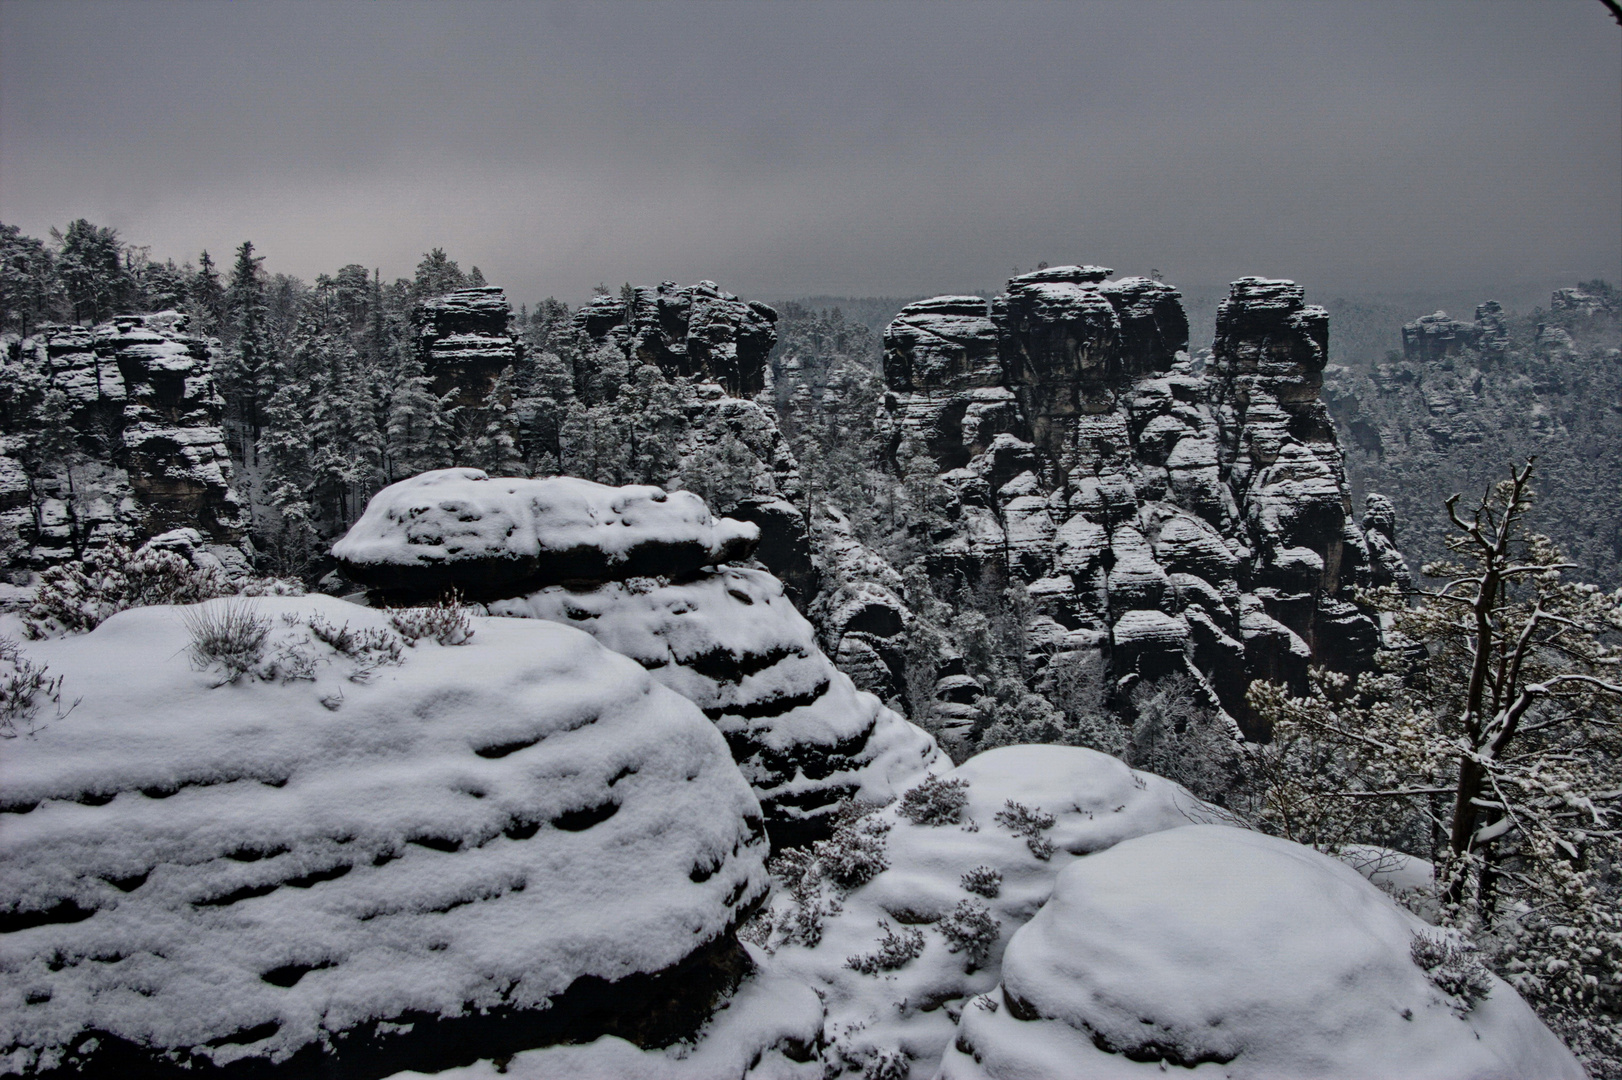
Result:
{"points": [[22, 686], [370, 649], [970, 929], [1023, 821], [228, 636], [855, 854], [888, 1065], [77, 597], [1454, 966], [935, 802], [894, 951], [446, 622], [984, 880], [800, 873]]}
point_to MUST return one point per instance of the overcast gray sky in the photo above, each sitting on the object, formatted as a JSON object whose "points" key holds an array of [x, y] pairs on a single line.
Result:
{"points": [[822, 147]]}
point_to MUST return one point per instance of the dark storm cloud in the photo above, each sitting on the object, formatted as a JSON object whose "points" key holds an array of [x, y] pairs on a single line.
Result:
{"points": [[832, 148]]}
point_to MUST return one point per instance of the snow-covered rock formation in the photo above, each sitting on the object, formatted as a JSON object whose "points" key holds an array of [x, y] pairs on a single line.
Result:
{"points": [[111, 433], [700, 331], [1224, 951], [1159, 514], [465, 340], [646, 572], [1469, 397], [930, 889], [359, 856]]}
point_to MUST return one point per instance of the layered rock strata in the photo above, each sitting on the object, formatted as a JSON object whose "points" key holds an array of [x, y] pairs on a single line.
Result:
{"points": [[700, 331], [113, 433], [1165, 517], [361, 857], [465, 341], [646, 573]]}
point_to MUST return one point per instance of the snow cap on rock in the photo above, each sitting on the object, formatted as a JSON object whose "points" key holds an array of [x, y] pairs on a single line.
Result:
{"points": [[460, 527], [299, 865], [1214, 946]]}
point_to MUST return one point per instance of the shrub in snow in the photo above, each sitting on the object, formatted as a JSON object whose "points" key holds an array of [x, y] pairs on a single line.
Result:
{"points": [[936, 801], [894, 951], [800, 921], [76, 597], [370, 648], [984, 880], [446, 622], [970, 929], [1454, 965], [1023, 821], [888, 1065], [854, 855], [23, 687], [228, 636]]}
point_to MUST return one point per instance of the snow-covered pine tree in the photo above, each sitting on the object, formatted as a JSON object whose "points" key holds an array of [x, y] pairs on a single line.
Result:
{"points": [[29, 289], [90, 265], [248, 378], [205, 297]]}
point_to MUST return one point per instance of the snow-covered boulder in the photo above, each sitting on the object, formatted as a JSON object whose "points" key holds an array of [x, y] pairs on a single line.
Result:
{"points": [[641, 570], [955, 870], [501, 536], [1240, 955], [730, 641], [360, 854]]}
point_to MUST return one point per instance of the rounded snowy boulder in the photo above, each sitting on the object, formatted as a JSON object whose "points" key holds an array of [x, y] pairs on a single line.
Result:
{"points": [[1216, 949], [360, 855], [459, 528], [960, 862]]}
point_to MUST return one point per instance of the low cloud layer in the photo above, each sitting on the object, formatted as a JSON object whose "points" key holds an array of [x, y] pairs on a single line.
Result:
{"points": [[790, 149]]}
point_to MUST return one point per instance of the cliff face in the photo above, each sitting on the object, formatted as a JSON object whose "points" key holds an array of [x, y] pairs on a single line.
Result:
{"points": [[1163, 516], [112, 433], [465, 341], [700, 331]]}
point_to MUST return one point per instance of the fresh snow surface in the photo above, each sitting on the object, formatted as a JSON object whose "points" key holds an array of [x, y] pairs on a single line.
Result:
{"points": [[1243, 956], [409, 841], [1096, 802], [450, 515], [732, 643], [768, 1030]]}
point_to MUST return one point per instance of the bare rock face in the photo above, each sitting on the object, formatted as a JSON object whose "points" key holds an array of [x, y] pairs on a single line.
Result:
{"points": [[700, 331], [465, 340], [645, 573], [471, 851], [1166, 517], [113, 433]]}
